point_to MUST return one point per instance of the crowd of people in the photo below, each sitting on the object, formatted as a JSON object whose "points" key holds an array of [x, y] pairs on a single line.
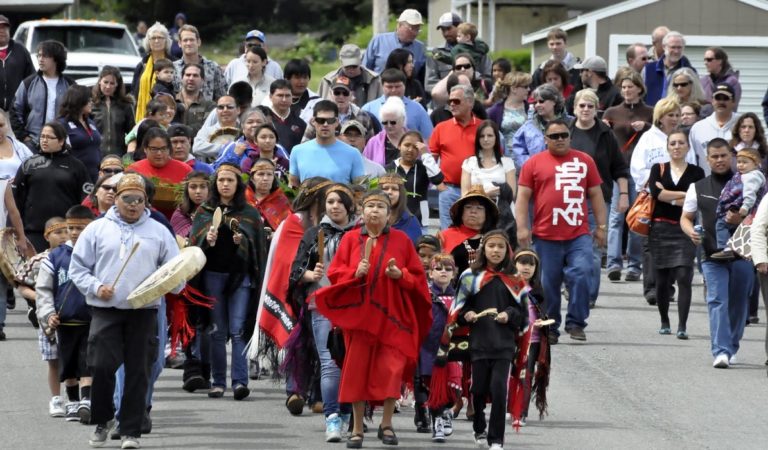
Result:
{"points": [[312, 211]]}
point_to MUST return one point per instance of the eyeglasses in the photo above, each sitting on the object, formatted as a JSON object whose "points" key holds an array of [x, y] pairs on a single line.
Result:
{"points": [[586, 106], [47, 137], [343, 92], [558, 136], [709, 59], [109, 187], [454, 101], [462, 66], [223, 107], [109, 171], [390, 123], [681, 85], [155, 149], [132, 199], [326, 120]]}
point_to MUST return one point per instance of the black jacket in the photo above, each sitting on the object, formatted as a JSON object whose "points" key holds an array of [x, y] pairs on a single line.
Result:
{"points": [[610, 162], [16, 66]]}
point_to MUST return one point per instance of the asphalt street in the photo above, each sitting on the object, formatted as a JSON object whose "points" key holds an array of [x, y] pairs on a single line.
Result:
{"points": [[625, 387]]}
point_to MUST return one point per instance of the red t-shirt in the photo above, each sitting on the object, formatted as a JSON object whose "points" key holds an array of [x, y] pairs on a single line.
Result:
{"points": [[173, 172], [452, 144], [560, 185]]}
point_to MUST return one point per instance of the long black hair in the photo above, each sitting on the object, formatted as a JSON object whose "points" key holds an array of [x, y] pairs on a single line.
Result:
{"points": [[496, 144], [506, 266], [75, 99], [186, 206], [238, 201]]}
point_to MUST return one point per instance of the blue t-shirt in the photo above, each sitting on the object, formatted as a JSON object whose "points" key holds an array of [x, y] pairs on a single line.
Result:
{"points": [[339, 162]]}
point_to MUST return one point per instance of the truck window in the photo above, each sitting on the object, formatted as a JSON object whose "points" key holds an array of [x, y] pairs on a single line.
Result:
{"points": [[87, 39]]}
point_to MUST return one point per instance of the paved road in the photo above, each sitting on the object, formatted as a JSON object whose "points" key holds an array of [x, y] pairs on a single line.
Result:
{"points": [[626, 387]]}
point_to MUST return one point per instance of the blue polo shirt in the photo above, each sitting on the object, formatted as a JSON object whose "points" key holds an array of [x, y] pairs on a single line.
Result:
{"points": [[375, 57], [416, 117]]}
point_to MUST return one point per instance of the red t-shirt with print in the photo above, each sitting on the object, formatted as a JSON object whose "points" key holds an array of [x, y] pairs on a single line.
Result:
{"points": [[560, 185]]}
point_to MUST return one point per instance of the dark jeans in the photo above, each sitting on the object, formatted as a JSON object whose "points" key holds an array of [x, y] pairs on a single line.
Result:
{"points": [[683, 275], [128, 337], [490, 377]]}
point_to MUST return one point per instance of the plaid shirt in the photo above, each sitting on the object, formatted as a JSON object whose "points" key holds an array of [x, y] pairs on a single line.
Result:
{"points": [[214, 85]]}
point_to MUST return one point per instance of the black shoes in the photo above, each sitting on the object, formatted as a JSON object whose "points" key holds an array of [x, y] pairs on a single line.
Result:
{"points": [[387, 439]]}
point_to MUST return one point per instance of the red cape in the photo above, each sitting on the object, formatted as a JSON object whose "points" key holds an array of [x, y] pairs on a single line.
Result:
{"points": [[453, 236], [280, 318]]}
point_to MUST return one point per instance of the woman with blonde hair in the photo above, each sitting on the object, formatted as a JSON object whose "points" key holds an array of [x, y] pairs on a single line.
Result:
{"points": [[684, 86], [510, 110]]}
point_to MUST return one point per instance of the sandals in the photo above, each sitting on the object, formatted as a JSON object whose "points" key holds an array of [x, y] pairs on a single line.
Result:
{"points": [[355, 440], [387, 439]]}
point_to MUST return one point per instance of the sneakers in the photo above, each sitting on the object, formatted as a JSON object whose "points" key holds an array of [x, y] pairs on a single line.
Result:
{"points": [[346, 421], [100, 434], [32, 317], [438, 433], [614, 274], [632, 276], [577, 334], [130, 442], [253, 369], [84, 411], [496, 446], [481, 438], [732, 361], [721, 361], [72, 415], [448, 423], [682, 334], [333, 428], [56, 408]]}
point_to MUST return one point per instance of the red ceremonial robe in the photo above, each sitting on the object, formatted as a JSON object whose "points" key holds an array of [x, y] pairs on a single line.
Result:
{"points": [[384, 320]]}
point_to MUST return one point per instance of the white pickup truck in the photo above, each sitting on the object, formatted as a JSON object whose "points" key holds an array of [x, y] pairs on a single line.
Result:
{"points": [[91, 45]]}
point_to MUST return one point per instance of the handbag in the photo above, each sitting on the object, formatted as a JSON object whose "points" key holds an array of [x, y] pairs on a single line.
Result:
{"points": [[740, 240], [336, 345], [640, 214]]}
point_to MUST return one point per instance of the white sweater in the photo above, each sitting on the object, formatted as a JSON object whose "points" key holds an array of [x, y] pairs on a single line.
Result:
{"points": [[651, 149]]}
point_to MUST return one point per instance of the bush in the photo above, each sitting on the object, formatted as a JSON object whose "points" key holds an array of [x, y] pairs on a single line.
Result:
{"points": [[520, 59]]}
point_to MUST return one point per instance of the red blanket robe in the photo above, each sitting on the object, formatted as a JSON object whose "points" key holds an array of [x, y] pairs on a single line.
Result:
{"points": [[384, 320]]}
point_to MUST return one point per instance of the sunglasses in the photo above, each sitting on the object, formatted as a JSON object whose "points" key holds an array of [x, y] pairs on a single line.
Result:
{"points": [[111, 171], [709, 59], [132, 199], [390, 123], [462, 66], [586, 106], [109, 187], [343, 92], [681, 85], [223, 107], [558, 136], [722, 98], [454, 101], [326, 120], [443, 268]]}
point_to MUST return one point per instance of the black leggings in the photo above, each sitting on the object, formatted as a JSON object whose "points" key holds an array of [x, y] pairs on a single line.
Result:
{"points": [[683, 275], [490, 377]]}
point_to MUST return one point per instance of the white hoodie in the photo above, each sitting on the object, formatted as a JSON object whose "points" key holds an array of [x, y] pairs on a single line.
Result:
{"points": [[651, 149]]}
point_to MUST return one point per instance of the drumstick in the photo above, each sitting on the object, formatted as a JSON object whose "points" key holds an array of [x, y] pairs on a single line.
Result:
{"points": [[488, 312], [368, 248], [320, 245], [130, 255], [216, 221]]}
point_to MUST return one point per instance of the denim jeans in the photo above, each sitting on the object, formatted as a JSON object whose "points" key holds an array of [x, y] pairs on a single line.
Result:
{"points": [[447, 198], [728, 288], [616, 231], [723, 232], [157, 366], [597, 256], [571, 260], [3, 301], [228, 316], [330, 374]]}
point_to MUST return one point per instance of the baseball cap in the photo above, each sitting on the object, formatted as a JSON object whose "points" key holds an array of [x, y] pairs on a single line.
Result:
{"points": [[4, 20], [179, 130], [352, 124], [448, 20], [411, 17], [350, 55], [341, 82], [724, 88], [256, 34], [595, 63]]}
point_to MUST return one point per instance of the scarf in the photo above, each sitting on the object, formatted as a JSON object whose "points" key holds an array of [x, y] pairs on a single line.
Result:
{"points": [[146, 84], [274, 208], [453, 236]]}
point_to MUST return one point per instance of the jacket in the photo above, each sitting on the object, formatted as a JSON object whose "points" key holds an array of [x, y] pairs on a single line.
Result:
{"points": [[16, 66], [367, 87], [55, 292], [656, 77], [113, 122], [28, 116], [98, 252], [529, 140], [607, 96], [608, 158], [709, 82]]}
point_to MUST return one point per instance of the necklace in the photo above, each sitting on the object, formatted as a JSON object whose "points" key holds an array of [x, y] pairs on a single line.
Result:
{"points": [[471, 252]]}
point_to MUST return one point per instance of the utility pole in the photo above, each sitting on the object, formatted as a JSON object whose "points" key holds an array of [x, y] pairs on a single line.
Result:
{"points": [[380, 16]]}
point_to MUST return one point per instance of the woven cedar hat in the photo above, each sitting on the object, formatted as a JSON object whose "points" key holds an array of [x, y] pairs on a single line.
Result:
{"points": [[476, 192]]}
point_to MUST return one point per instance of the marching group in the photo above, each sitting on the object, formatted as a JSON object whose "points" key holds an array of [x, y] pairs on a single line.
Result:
{"points": [[312, 211]]}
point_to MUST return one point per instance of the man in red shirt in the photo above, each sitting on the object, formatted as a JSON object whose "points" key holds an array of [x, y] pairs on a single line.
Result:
{"points": [[161, 169], [560, 181], [452, 142]]}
